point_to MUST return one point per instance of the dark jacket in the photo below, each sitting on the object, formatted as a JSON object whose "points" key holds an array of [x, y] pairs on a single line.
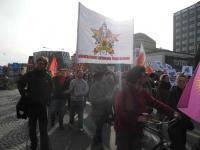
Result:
{"points": [[59, 86], [36, 86], [174, 96], [162, 91]]}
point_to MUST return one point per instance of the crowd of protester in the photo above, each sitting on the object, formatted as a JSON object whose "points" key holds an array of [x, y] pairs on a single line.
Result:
{"points": [[115, 99]]}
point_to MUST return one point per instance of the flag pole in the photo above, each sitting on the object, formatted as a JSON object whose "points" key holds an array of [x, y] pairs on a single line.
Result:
{"points": [[133, 52], [77, 42]]}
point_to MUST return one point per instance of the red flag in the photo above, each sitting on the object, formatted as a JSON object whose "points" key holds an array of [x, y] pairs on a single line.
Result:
{"points": [[140, 60], [53, 66], [148, 69]]}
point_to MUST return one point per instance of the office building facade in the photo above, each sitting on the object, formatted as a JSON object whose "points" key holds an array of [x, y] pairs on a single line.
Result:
{"points": [[186, 29]]}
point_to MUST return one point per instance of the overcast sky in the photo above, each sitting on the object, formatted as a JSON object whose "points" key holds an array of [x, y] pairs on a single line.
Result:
{"points": [[27, 26]]}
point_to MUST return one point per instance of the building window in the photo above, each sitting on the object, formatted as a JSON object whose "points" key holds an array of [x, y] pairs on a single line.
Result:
{"points": [[191, 26], [184, 48], [178, 17], [184, 42], [198, 35], [191, 44], [184, 14], [192, 19], [177, 37], [184, 35], [178, 24], [184, 28], [191, 51], [177, 30], [191, 15], [191, 40], [184, 22], [198, 39], [177, 44], [191, 47], [192, 32], [177, 49], [191, 11]]}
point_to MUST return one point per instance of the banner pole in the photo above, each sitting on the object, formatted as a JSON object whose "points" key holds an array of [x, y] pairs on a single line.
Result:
{"points": [[77, 42], [133, 52]]}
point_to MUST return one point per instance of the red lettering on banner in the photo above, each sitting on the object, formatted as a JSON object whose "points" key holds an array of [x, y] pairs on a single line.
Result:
{"points": [[103, 58], [120, 58]]}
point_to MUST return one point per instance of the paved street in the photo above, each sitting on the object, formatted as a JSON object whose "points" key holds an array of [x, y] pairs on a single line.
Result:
{"points": [[14, 132]]}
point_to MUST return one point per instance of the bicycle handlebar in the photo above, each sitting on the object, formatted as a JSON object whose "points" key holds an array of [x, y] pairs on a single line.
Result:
{"points": [[151, 120]]}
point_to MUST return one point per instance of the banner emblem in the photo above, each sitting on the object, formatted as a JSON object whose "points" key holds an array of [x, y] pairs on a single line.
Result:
{"points": [[105, 40]]}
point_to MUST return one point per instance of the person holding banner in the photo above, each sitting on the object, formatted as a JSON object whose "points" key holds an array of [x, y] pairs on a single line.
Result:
{"points": [[177, 131], [130, 103]]}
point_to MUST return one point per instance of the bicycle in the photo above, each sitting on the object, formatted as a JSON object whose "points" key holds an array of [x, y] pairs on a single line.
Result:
{"points": [[154, 126]]}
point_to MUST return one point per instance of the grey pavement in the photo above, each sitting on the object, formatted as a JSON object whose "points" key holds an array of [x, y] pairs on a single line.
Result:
{"points": [[14, 132]]}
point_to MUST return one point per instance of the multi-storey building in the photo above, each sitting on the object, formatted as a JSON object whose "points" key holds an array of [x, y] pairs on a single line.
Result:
{"points": [[186, 29], [175, 59], [62, 57]]}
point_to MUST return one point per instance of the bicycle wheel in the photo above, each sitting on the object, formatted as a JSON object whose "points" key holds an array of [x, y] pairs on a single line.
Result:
{"points": [[161, 147]]}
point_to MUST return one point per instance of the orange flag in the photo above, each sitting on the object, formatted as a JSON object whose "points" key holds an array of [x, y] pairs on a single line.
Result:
{"points": [[140, 60], [53, 66]]}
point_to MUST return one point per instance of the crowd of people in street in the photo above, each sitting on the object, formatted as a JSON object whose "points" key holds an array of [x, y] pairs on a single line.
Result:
{"points": [[118, 102]]}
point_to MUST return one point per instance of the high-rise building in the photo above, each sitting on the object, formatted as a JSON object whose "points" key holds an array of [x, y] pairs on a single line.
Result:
{"points": [[186, 29]]}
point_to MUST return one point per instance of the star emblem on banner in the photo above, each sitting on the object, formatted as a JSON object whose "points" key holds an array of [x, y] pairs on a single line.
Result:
{"points": [[104, 40]]}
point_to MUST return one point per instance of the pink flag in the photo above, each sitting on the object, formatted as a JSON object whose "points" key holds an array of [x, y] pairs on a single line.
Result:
{"points": [[190, 99]]}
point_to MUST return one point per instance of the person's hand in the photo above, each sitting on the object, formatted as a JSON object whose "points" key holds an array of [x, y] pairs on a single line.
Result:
{"points": [[142, 119], [177, 115]]}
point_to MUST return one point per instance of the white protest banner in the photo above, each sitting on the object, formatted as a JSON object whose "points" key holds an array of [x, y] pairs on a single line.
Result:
{"points": [[187, 70], [172, 76], [157, 66], [101, 40]]}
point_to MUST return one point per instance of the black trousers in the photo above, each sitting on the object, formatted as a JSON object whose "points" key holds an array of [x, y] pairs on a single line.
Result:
{"points": [[177, 135], [38, 113], [129, 141]]}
